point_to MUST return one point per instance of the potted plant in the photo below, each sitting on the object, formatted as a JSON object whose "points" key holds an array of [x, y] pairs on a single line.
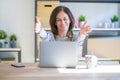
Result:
{"points": [[3, 36], [13, 39], [81, 20], [114, 21], [115, 18], [6, 44], [0, 44]]}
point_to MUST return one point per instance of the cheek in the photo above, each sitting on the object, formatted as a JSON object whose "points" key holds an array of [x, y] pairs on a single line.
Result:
{"points": [[68, 23]]}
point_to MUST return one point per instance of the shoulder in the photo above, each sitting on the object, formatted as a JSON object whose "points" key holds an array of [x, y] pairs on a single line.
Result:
{"points": [[51, 36]]}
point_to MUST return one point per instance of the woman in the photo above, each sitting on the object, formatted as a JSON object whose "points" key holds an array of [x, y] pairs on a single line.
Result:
{"points": [[62, 23]]}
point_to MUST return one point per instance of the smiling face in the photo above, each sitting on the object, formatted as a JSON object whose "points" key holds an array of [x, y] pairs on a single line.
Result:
{"points": [[62, 22]]}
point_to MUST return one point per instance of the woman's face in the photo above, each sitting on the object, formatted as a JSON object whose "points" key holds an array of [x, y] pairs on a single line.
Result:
{"points": [[62, 21]]}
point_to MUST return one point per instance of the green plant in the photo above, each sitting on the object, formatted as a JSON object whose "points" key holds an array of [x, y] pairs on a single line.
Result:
{"points": [[82, 18], [3, 34], [13, 37], [115, 18], [6, 42]]}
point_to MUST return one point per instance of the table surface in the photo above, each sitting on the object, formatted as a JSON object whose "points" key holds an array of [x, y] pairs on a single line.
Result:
{"points": [[32, 71], [10, 49]]}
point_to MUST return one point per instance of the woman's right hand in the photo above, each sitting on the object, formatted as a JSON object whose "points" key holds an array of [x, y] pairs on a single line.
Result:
{"points": [[37, 26]]}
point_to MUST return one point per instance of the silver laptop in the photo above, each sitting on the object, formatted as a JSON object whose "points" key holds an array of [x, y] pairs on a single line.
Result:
{"points": [[58, 54]]}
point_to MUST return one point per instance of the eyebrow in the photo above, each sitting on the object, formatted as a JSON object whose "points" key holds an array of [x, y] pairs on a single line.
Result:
{"points": [[63, 17]]}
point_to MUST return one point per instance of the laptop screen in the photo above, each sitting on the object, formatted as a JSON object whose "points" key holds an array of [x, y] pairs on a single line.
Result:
{"points": [[58, 54]]}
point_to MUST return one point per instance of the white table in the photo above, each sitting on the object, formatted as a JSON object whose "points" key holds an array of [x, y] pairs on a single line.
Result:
{"points": [[12, 50]]}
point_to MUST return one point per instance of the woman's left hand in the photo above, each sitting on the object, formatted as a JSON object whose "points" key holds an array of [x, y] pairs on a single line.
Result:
{"points": [[84, 30]]}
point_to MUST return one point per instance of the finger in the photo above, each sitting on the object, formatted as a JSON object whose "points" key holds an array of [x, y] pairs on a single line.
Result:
{"points": [[88, 29], [37, 19], [84, 24]]}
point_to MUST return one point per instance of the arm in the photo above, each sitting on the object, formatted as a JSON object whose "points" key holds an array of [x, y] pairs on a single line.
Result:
{"points": [[84, 30], [78, 39], [39, 30]]}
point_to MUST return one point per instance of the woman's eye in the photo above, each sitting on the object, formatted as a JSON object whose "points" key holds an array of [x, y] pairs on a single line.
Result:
{"points": [[58, 20], [65, 19]]}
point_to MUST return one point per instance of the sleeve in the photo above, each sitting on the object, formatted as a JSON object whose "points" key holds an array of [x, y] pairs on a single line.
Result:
{"points": [[78, 39], [45, 36]]}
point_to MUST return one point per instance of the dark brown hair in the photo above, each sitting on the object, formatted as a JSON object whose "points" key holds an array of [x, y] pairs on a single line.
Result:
{"points": [[52, 21]]}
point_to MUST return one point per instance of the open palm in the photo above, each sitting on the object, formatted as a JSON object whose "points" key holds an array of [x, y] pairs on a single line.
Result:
{"points": [[85, 29]]}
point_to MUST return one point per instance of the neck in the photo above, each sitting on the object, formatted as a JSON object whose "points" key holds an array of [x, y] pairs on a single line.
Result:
{"points": [[62, 34]]}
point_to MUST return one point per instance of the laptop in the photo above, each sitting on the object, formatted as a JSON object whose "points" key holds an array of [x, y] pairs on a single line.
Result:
{"points": [[58, 54]]}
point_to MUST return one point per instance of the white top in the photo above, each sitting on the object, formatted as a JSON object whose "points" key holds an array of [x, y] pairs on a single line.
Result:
{"points": [[48, 36]]}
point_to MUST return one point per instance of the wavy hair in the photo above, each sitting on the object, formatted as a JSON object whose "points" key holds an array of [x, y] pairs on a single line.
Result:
{"points": [[52, 21]]}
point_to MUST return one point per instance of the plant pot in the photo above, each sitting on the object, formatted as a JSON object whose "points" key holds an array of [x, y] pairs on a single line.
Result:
{"points": [[6, 45], [115, 25], [1, 45], [2, 42], [13, 44]]}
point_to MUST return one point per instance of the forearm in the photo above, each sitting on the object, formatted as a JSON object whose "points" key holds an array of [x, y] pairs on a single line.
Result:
{"points": [[80, 39], [44, 35]]}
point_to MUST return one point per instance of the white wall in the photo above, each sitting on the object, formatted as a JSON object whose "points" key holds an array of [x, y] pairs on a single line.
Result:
{"points": [[95, 12], [17, 16]]}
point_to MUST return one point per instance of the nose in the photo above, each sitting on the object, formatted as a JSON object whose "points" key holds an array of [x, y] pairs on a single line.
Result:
{"points": [[62, 21]]}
